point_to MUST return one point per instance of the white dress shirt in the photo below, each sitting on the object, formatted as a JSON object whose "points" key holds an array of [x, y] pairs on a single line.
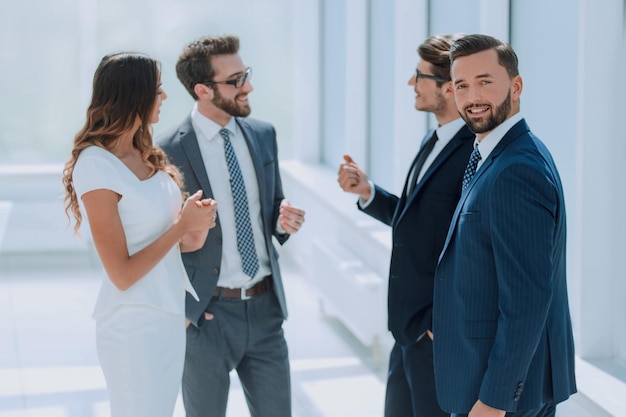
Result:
{"points": [[490, 141], [445, 134], [211, 146]]}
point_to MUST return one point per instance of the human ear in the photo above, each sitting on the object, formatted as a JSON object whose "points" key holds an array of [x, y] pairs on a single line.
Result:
{"points": [[516, 87], [203, 91]]}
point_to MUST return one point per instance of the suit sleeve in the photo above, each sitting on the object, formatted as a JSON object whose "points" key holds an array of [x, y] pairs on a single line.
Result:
{"points": [[382, 207], [278, 192], [522, 222]]}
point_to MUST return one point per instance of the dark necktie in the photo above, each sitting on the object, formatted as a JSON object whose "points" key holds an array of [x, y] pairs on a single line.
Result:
{"points": [[243, 227], [419, 161], [470, 169]]}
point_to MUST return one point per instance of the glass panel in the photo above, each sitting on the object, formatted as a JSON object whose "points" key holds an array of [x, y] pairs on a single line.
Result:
{"points": [[49, 51]]}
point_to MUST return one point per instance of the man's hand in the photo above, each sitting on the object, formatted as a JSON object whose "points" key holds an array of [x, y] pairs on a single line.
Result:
{"points": [[290, 217], [480, 409], [207, 317], [352, 180]]}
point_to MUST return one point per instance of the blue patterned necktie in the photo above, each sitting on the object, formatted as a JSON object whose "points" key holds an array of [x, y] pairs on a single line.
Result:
{"points": [[245, 238], [470, 169]]}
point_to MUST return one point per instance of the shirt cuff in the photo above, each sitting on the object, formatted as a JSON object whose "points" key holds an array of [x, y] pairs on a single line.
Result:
{"points": [[364, 203], [279, 228]]}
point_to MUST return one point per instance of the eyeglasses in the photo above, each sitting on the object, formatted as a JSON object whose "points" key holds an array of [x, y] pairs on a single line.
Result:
{"points": [[237, 82], [418, 74]]}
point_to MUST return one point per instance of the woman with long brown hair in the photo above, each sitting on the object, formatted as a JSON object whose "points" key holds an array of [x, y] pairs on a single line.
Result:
{"points": [[131, 196]]}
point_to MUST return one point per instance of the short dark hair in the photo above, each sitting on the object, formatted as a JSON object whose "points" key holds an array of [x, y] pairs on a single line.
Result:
{"points": [[436, 51], [473, 44], [194, 63]]}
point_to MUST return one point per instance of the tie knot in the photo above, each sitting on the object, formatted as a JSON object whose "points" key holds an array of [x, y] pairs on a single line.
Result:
{"points": [[476, 154], [224, 133]]}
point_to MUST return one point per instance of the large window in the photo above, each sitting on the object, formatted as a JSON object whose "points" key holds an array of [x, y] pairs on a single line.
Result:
{"points": [[51, 49], [571, 58], [334, 80]]}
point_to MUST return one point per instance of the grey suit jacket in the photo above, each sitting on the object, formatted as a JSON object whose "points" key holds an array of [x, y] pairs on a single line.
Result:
{"points": [[203, 266]]}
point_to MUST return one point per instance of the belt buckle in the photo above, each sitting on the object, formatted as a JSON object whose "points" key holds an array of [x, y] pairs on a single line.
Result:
{"points": [[244, 296]]}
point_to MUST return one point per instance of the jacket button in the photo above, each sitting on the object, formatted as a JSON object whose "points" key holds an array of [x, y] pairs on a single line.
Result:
{"points": [[219, 240], [216, 271]]}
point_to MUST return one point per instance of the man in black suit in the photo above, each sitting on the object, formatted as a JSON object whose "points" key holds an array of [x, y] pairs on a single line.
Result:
{"points": [[420, 218]]}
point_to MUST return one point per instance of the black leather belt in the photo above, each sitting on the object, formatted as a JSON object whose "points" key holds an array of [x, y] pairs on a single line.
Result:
{"points": [[244, 293]]}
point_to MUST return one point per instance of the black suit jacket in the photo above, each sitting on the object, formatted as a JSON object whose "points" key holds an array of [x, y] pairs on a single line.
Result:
{"points": [[203, 266], [420, 223]]}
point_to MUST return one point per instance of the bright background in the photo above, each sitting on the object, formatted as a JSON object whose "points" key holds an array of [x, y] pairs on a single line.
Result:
{"points": [[331, 75]]}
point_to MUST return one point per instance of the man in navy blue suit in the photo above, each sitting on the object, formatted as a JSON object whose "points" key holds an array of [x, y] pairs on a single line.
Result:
{"points": [[419, 217], [503, 341]]}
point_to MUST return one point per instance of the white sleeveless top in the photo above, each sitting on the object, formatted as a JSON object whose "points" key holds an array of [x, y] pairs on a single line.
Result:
{"points": [[147, 209]]}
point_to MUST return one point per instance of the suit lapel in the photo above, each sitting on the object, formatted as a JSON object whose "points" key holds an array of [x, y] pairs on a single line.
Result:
{"points": [[518, 129], [409, 178], [445, 153], [189, 143]]}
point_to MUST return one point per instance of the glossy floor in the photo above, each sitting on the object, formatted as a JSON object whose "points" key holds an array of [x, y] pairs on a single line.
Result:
{"points": [[49, 368]]}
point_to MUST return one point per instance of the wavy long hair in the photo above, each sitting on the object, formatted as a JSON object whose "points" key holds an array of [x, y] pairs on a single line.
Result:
{"points": [[125, 86]]}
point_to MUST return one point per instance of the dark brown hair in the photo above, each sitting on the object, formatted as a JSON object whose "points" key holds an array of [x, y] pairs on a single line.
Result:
{"points": [[436, 51], [194, 64], [125, 87], [473, 44]]}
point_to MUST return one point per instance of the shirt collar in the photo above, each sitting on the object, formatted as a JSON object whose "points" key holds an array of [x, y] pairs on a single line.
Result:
{"points": [[208, 127], [490, 141], [446, 132]]}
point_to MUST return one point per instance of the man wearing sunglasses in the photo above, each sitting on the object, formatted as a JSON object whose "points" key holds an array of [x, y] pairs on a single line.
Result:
{"points": [[419, 217], [237, 323]]}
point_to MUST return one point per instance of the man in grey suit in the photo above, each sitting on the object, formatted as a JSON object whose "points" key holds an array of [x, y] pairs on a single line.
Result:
{"points": [[237, 323], [419, 218], [503, 340]]}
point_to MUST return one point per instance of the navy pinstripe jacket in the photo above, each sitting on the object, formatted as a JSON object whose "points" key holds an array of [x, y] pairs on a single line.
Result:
{"points": [[501, 316]]}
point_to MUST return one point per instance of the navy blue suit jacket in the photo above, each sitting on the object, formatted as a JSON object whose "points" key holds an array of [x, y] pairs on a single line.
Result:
{"points": [[420, 223], [203, 266], [501, 317]]}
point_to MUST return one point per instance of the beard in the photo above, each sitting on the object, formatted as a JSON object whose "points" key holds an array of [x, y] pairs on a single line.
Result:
{"points": [[437, 107], [490, 122], [230, 106]]}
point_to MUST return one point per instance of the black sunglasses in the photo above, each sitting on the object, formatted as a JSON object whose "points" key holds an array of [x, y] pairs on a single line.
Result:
{"points": [[237, 82]]}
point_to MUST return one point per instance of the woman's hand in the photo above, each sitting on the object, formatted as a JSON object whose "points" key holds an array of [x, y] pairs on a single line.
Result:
{"points": [[197, 217]]}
